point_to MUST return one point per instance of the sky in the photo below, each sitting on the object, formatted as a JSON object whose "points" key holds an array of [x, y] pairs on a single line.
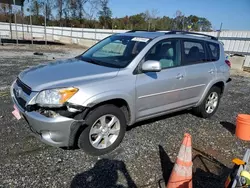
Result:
{"points": [[234, 14]]}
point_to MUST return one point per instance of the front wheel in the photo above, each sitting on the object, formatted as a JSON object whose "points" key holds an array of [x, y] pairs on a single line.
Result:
{"points": [[105, 131], [210, 104]]}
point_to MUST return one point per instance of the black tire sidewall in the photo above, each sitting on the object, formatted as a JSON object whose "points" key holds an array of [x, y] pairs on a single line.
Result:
{"points": [[83, 141]]}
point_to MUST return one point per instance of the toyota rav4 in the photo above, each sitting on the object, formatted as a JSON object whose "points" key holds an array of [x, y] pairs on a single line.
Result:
{"points": [[88, 101]]}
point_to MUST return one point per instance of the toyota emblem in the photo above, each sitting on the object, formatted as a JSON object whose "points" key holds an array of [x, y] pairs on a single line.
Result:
{"points": [[18, 91]]}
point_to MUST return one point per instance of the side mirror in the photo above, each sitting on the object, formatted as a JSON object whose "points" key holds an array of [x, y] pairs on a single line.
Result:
{"points": [[151, 66]]}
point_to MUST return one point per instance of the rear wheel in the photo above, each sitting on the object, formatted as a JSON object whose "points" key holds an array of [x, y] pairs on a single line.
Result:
{"points": [[210, 104], [105, 131]]}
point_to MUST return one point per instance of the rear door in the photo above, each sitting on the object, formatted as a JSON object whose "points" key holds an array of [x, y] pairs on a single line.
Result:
{"points": [[199, 68]]}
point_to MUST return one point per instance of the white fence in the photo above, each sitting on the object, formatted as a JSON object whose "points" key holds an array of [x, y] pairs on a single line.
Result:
{"points": [[234, 41], [39, 31]]}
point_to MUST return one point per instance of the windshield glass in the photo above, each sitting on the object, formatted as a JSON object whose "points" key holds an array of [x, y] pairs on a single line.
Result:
{"points": [[115, 51]]}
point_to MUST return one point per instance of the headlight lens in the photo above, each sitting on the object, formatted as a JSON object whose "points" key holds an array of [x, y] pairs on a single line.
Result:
{"points": [[55, 96]]}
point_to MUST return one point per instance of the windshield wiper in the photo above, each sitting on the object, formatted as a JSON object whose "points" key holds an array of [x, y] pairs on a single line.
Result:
{"points": [[98, 62], [91, 61]]}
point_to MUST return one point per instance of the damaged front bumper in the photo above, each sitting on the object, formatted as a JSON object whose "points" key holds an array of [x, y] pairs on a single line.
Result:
{"points": [[54, 131], [57, 130]]}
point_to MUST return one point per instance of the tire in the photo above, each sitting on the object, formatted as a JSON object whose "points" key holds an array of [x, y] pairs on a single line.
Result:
{"points": [[201, 110], [92, 121]]}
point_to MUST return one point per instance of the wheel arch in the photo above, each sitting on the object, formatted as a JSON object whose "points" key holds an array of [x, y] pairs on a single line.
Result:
{"points": [[218, 83], [117, 98]]}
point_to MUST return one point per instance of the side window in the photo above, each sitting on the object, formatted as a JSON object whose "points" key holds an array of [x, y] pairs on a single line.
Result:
{"points": [[193, 51], [166, 52], [213, 51], [115, 48]]}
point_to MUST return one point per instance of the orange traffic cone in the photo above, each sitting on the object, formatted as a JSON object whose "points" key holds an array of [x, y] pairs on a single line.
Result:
{"points": [[181, 176]]}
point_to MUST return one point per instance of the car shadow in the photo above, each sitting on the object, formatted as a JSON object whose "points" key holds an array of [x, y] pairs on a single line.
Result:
{"points": [[105, 173], [152, 120], [229, 126]]}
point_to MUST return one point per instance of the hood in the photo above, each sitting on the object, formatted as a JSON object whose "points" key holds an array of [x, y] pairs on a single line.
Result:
{"points": [[65, 73]]}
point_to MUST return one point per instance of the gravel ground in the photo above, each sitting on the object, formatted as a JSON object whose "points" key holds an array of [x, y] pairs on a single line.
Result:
{"points": [[145, 157]]}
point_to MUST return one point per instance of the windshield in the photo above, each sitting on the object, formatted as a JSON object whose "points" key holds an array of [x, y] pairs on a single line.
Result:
{"points": [[115, 51]]}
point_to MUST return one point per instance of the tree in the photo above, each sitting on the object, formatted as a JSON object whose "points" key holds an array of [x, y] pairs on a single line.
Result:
{"points": [[192, 21], [4, 12], [164, 23], [105, 14], [73, 8], [59, 7], [66, 12], [91, 9], [35, 7], [126, 21], [4, 8], [80, 8], [179, 21], [83, 13], [138, 21], [147, 18], [47, 8], [204, 24], [150, 17]]}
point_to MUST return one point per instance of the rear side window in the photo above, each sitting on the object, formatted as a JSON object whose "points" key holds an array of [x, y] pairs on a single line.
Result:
{"points": [[193, 52], [213, 51]]}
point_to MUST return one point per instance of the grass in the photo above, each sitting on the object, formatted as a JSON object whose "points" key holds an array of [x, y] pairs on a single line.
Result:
{"points": [[4, 93]]}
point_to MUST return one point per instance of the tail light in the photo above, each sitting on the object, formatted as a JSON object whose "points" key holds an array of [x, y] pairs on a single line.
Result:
{"points": [[228, 63]]}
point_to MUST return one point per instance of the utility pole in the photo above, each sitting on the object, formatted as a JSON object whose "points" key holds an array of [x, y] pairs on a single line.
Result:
{"points": [[218, 36], [45, 22], [10, 20], [71, 35], [15, 23], [31, 30], [22, 20]]}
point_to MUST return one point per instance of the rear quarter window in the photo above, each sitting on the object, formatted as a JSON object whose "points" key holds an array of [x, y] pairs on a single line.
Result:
{"points": [[213, 51]]}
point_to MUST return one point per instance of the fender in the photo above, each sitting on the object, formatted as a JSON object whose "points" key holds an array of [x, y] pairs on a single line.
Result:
{"points": [[110, 95], [209, 86]]}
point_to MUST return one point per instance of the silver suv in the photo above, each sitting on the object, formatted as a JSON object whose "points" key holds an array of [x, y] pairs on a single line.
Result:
{"points": [[88, 101]]}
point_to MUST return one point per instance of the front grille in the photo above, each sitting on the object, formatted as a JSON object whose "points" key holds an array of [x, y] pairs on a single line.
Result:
{"points": [[26, 89], [20, 101]]}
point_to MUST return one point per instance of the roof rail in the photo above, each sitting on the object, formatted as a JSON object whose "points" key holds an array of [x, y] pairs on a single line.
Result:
{"points": [[191, 33], [133, 31]]}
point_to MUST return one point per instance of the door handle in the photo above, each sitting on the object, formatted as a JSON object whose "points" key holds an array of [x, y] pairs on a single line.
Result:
{"points": [[179, 76], [211, 71]]}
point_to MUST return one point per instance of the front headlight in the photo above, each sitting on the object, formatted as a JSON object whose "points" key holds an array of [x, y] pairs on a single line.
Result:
{"points": [[55, 97]]}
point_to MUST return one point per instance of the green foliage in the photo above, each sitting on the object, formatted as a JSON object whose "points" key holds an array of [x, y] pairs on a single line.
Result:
{"points": [[97, 14], [137, 21], [164, 23], [105, 15]]}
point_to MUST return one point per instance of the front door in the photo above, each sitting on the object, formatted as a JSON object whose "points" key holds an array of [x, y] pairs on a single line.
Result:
{"points": [[158, 92]]}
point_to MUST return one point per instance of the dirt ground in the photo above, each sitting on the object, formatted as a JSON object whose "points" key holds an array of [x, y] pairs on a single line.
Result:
{"points": [[146, 155]]}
